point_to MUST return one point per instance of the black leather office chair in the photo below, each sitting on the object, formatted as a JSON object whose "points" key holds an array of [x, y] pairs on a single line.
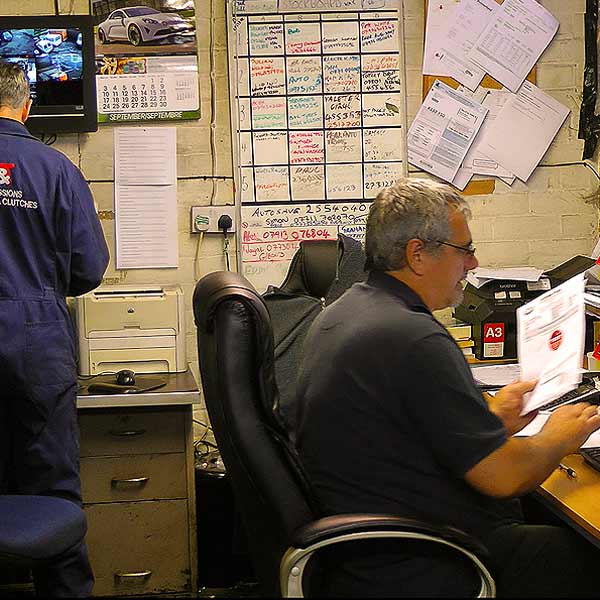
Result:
{"points": [[284, 527], [36, 530], [319, 273]]}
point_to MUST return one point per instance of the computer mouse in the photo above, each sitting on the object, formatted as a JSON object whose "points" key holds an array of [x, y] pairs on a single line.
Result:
{"points": [[125, 377]]}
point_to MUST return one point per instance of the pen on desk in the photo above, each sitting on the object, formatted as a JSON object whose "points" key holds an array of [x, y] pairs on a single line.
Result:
{"points": [[571, 474]]}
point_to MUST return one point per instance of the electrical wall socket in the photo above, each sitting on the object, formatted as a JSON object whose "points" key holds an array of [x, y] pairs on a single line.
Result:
{"points": [[206, 218]]}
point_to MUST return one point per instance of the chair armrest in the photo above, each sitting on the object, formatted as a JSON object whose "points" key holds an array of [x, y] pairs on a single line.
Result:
{"points": [[327, 531], [351, 523]]}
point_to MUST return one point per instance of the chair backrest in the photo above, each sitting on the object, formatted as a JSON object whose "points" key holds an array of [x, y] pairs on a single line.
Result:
{"points": [[313, 268], [235, 347]]}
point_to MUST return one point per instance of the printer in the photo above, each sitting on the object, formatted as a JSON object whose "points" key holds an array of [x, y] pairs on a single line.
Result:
{"points": [[125, 327], [491, 309]]}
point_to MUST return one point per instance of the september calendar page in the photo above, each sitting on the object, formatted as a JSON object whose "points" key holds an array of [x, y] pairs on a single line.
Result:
{"points": [[146, 62]]}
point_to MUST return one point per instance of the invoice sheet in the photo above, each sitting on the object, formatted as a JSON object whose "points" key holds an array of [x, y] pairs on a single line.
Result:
{"points": [[513, 40], [443, 130], [469, 21], [145, 197], [475, 162], [550, 341], [439, 17], [523, 130]]}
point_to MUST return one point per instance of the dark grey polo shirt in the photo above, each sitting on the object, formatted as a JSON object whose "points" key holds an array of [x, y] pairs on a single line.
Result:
{"points": [[389, 417]]}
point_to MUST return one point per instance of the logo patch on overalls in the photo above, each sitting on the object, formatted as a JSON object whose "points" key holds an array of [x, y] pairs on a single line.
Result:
{"points": [[5, 176]]}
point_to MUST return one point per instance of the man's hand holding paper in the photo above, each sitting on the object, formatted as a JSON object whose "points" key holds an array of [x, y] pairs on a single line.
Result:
{"points": [[550, 342]]}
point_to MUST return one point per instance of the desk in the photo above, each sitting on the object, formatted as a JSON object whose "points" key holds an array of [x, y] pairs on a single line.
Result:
{"points": [[138, 488], [575, 501]]}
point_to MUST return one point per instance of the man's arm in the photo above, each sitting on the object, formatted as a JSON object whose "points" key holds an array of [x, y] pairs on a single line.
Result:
{"points": [[521, 464]]}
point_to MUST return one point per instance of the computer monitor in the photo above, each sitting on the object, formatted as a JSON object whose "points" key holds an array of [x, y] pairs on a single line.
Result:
{"points": [[57, 55]]}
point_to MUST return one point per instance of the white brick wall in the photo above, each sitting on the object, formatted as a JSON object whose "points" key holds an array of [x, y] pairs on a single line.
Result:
{"points": [[539, 224]]}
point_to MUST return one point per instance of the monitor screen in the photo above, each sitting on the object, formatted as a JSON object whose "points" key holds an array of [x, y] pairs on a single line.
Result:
{"points": [[55, 54]]}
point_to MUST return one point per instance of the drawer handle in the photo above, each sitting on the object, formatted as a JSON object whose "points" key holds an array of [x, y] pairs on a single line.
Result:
{"points": [[131, 482], [127, 432], [140, 575]]}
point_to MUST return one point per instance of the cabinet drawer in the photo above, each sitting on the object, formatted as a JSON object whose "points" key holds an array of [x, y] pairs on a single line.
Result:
{"points": [[141, 477], [115, 432], [139, 547]]}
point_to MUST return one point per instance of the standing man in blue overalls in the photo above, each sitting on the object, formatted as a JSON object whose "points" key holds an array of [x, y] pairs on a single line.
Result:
{"points": [[51, 246]]}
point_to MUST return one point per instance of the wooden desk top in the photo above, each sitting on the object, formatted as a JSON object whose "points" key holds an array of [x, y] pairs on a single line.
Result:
{"points": [[576, 500]]}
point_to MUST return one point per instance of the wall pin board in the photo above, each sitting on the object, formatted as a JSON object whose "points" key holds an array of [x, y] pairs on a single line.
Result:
{"points": [[319, 111], [475, 186]]}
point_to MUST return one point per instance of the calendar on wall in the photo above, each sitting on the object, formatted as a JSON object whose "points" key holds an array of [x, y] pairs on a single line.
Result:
{"points": [[147, 88], [146, 60]]}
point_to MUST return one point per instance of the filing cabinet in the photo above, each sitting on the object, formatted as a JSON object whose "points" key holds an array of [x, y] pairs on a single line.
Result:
{"points": [[137, 477]]}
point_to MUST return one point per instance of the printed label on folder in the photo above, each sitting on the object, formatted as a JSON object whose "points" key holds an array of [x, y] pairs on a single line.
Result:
{"points": [[493, 340]]}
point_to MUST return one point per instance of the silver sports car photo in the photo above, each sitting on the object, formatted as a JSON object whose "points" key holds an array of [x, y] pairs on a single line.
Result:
{"points": [[140, 24]]}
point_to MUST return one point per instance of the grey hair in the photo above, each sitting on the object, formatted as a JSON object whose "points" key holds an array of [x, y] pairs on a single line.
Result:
{"points": [[14, 87], [410, 209]]}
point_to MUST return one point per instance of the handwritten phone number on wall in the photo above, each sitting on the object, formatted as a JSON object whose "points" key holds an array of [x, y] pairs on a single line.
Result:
{"points": [[297, 234]]}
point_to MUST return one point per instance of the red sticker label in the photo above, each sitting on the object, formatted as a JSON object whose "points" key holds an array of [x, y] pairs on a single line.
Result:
{"points": [[493, 332], [556, 339], [5, 176]]}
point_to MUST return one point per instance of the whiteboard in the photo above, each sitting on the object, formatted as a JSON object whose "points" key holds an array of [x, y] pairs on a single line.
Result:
{"points": [[318, 110]]}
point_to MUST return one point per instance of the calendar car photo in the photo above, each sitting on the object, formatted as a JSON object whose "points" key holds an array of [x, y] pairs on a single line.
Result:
{"points": [[155, 26]]}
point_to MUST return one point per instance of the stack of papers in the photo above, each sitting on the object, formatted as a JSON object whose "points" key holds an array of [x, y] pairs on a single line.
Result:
{"points": [[455, 139], [481, 275]]}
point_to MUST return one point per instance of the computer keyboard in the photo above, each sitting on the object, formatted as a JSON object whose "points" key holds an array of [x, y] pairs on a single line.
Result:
{"points": [[585, 392], [591, 456]]}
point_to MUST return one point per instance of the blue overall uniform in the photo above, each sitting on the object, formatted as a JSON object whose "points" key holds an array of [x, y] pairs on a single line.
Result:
{"points": [[51, 246]]}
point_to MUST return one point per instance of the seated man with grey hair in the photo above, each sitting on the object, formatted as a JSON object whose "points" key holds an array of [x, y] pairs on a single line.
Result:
{"points": [[390, 420]]}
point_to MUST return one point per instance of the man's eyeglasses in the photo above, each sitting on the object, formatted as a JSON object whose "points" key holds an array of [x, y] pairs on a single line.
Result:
{"points": [[469, 249]]}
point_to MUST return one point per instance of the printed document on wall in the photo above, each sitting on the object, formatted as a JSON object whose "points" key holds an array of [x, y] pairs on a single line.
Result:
{"points": [[470, 19], [523, 130], [439, 16], [550, 341], [443, 130], [513, 40], [145, 197], [476, 163]]}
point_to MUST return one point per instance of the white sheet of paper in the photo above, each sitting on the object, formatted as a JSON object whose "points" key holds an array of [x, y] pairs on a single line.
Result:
{"points": [[535, 426], [476, 163], [481, 275], [145, 155], [513, 40], [479, 162], [439, 17], [523, 130], [469, 21], [540, 420], [145, 197], [462, 178], [550, 341], [443, 130], [499, 375]]}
